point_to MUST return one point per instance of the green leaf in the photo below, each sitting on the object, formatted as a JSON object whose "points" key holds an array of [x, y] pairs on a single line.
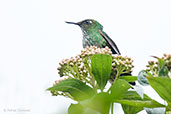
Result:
{"points": [[90, 111], [118, 88], [163, 70], [142, 78], [129, 78], [101, 66], [75, 109], [100, 102], [80, 109], [76, 88], [131, 98], [168, 108], [131, 109], [162, 86]]}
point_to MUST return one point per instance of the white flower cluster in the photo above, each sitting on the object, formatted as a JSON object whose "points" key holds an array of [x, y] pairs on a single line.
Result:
{"points": [[67, 64], [153, 66], [124, 62], [79, 66], [167, 58], [95, 50]]}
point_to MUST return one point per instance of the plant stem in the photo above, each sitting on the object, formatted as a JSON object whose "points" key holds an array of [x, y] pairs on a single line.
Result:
{"points": [[112, 108], [119, 72]]}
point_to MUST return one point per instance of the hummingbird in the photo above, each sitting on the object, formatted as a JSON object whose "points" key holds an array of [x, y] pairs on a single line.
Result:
{"points": [[93, 35]]}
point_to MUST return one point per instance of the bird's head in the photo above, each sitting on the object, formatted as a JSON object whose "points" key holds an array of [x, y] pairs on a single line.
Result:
{"points": [[88, 25]]}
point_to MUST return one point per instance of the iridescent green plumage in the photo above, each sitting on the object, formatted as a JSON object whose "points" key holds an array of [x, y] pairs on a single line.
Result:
{"points": [[93, 35]]}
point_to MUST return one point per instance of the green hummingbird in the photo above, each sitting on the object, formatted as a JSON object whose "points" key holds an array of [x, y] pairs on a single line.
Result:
{"points": [[93, 35]]}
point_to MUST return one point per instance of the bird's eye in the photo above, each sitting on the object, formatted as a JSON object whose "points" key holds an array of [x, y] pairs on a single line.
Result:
{"points": [[88, 22]]}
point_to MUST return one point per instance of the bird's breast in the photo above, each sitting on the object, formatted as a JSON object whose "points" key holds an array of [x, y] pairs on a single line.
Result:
{"points": [[93, 39]]}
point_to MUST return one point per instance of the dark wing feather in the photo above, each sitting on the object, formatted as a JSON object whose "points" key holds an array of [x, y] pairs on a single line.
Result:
{"points": [[110, 43]]}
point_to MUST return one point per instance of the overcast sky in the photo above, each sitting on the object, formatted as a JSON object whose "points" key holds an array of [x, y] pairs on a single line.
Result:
{"points": [[34, 39]]}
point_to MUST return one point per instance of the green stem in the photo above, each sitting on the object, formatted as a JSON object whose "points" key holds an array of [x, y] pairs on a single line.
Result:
{"points": [[119, 72], [112, 108], [71, 71], [76, 69], [87, 65]]}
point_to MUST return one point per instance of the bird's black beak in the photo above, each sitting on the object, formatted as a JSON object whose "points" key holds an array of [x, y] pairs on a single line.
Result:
{"points": [[73, 23]]}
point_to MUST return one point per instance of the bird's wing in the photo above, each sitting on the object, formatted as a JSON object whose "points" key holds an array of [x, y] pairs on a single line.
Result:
{"points": [[110, 43]]}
